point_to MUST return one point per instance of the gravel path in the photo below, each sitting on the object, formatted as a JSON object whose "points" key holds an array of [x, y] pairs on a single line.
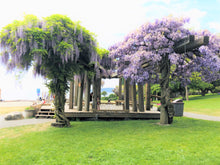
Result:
{"points": [[14, 123], [203, 117]]}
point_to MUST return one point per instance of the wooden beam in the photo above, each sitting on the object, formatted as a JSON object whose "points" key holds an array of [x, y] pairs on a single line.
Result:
{"points": [[193, 44], [181, 43]]}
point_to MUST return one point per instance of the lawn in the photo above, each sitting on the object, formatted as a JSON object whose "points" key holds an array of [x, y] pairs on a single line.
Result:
{"points": [[186, 141], [207, 105], [5, 110]]}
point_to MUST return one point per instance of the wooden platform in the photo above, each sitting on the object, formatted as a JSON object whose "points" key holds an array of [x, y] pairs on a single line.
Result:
{"points": [[112, 114]]}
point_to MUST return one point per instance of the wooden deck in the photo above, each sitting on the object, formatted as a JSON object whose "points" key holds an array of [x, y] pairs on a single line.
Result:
{"points": [[111, 114]]}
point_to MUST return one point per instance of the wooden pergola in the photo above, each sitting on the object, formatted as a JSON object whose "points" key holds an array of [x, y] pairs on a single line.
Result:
{"points": [[76, 90]]}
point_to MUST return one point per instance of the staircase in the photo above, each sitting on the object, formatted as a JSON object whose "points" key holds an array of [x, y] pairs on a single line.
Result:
{"points": [[45, 112]]}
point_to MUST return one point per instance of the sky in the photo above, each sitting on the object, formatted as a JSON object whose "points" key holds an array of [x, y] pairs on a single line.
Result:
{"points": [[110, 20]]}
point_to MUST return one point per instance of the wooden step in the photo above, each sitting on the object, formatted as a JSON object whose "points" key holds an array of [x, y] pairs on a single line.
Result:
{"points": [[44, 116], [49, 112]]}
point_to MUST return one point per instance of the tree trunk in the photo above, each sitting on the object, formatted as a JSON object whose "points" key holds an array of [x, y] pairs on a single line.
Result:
{"points": [[167, 110], [134, 100], [203, 92], [140, 97], [148, 94], [59, 102], [71, 96], [87, 92], [76, 92]]}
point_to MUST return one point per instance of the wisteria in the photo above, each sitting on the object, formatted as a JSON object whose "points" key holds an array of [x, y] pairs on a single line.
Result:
{"points": [[31, 40], [149, 54], [152, 41], [55, 46]]}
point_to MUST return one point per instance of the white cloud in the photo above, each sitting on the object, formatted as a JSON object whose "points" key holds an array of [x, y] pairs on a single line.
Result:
{"points": [[104, 18], [163, 1], [111, 83], [215, 26], [195, 16], [110, 20]]}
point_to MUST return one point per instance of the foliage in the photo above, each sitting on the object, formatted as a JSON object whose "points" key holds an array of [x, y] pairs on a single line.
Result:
{"points": [[153, 41], [102, 52], [113, 97], [29, 108], [197, 83], [104, 93], [110, 97], [117, 142], [153, 45], [56, 46], [116, 90], [155, 88]]}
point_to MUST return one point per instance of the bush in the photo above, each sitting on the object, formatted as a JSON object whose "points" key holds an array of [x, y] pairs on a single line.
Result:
{"points": [[111, 97]]}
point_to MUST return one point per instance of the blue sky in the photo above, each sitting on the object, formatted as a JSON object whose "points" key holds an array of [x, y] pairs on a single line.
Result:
{"points": [[110, 20]]}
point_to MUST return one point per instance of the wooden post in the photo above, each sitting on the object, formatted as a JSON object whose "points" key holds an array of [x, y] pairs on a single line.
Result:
{"points": [[76, 92], [148, 91], [120, 88], [94, 86], [140, 97], [126, 95], [187, 93], [130, 91], [80, 98], [71, 96], [87, 92], [134, 100], [99, 87]]}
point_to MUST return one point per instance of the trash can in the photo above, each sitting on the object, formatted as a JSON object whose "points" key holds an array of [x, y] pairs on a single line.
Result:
{"points": [[178, 107]]}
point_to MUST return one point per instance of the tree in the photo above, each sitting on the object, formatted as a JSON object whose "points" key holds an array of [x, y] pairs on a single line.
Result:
{"points": [[55, 46], [148, 54], [197, 83], [104, 93]]}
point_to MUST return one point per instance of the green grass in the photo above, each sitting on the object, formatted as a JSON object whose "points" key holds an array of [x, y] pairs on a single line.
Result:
{"points": [[186, 141], [207, 105], [5, 110]]}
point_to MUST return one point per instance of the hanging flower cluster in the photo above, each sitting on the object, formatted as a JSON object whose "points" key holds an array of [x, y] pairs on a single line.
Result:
{"points": [[54, 38], [149, 43]]}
